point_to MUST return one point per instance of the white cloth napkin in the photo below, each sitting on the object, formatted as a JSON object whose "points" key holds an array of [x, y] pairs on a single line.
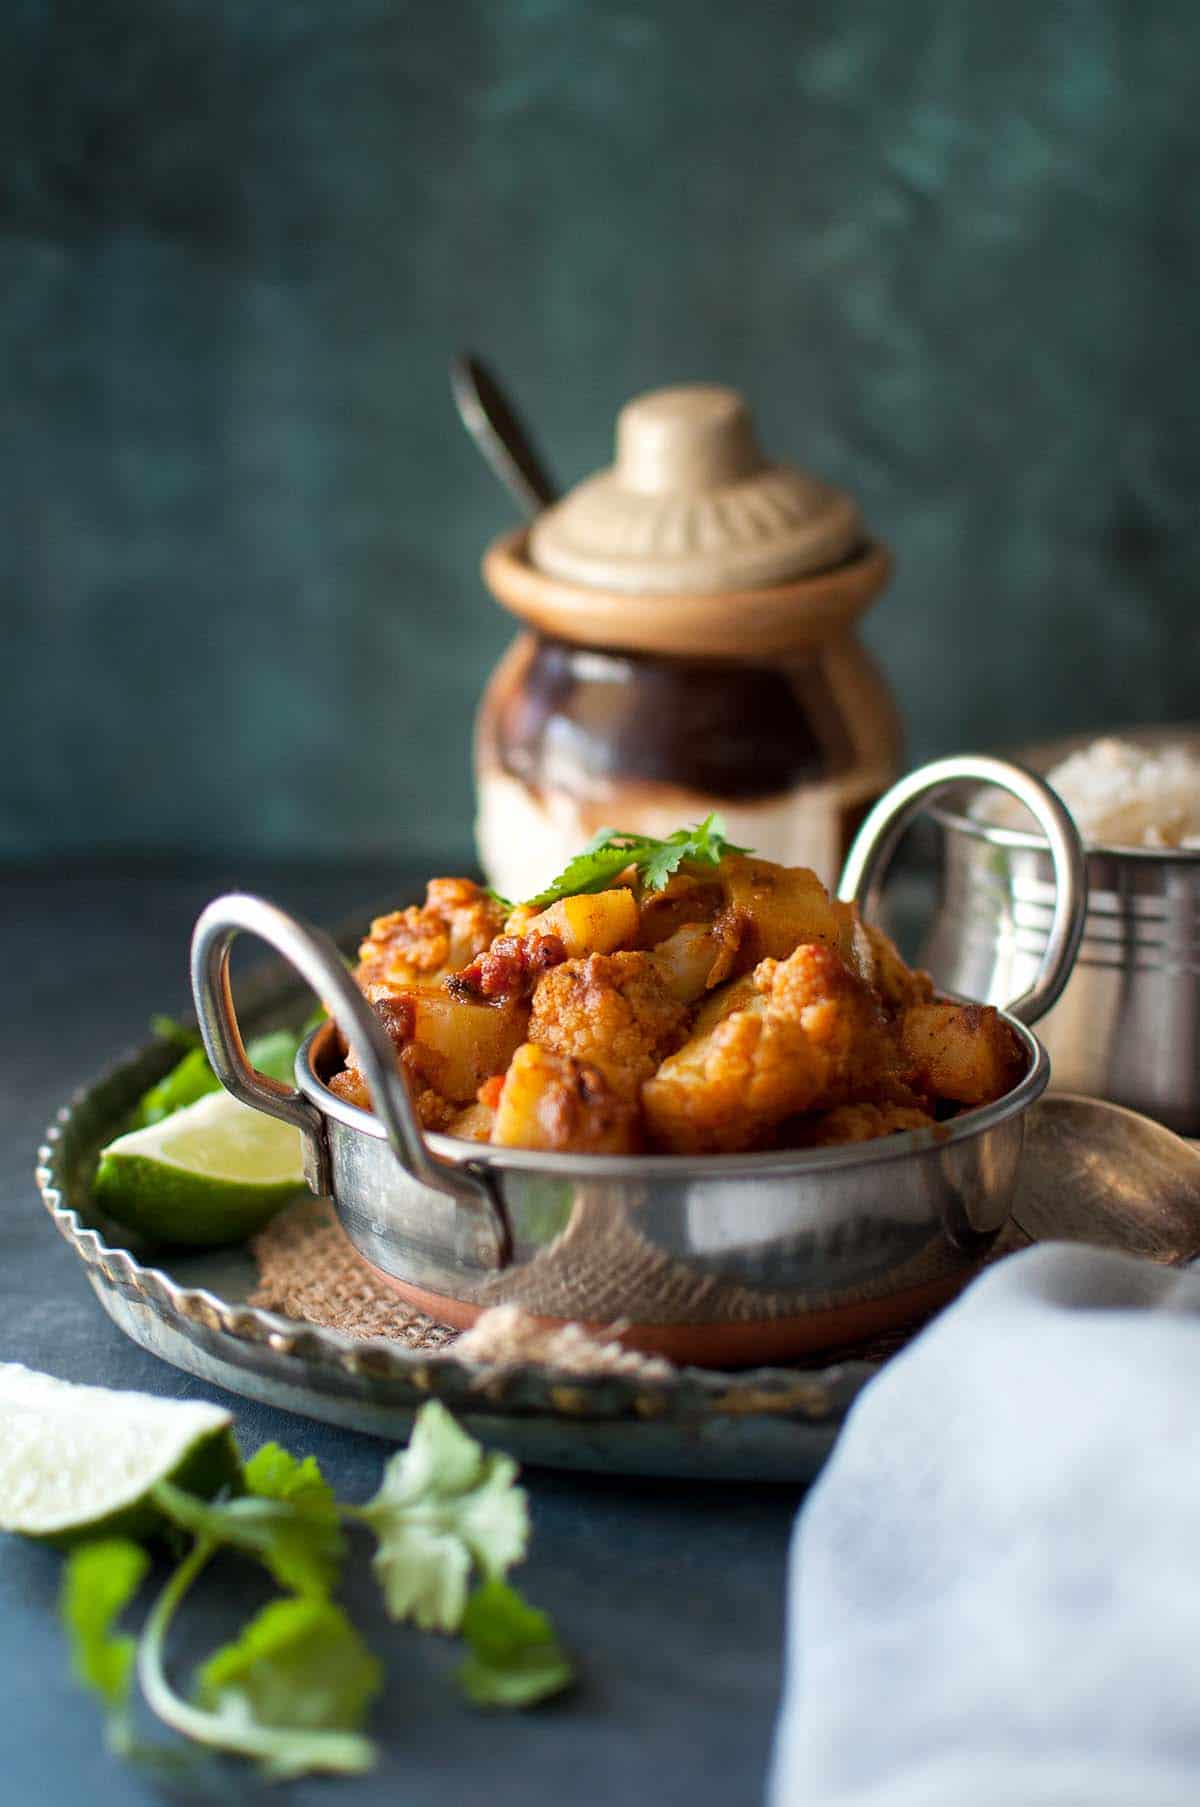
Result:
{"points": [[995, 1584]]}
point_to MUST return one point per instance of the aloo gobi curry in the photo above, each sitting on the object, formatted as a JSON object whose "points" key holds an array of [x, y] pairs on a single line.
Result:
{"points": [[678, 997]]}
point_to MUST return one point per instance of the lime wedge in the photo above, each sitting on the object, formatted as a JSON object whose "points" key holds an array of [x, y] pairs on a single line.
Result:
{"points": [[80, 1461], [213, 1172]]}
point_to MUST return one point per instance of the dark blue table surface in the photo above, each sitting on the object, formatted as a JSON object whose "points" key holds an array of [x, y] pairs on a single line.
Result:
{"points": [[671, 1594]]}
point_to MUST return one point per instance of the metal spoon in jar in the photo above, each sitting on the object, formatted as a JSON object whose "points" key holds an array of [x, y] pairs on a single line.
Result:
{"points": [[501, 436], [1098, 1173]]}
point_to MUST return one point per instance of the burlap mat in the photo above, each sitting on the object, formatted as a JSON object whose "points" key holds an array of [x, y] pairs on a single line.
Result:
{"points": [[309, 1270], [601, 1266]]}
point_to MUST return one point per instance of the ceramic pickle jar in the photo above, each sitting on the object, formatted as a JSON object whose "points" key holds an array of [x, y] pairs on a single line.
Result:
{"points": [[690, 645]]}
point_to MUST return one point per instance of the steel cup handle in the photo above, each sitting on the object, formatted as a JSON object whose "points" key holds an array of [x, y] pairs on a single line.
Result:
{"points": [[316, 958], [877, 839]]}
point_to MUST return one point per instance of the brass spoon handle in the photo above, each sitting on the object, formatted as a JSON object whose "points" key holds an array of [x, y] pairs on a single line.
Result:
{"points": [[501, 436]]}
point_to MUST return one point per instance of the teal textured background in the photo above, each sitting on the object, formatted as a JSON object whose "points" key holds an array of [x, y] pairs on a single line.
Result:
{"points": [[951, 251]]}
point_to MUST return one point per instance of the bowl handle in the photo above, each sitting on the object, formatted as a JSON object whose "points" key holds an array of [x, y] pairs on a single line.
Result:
{"points": [[316, 959], [877, 839]]}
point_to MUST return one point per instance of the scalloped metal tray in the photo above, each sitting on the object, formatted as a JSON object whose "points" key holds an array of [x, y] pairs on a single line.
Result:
{"points": [[189, 1308]]}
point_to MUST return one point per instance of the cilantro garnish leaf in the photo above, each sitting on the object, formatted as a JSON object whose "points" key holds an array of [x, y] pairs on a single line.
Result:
{"points": [[299, 1666], [594, 868], [611, 852], [516, 1659], [444, 1508], [298, 1538], [99, 1581], [702, 845], [273, 1474]]}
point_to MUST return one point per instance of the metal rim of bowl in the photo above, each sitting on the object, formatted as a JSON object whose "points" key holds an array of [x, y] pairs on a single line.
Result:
{"points": [[879, 1152], [1040, 754], [961, 822]]}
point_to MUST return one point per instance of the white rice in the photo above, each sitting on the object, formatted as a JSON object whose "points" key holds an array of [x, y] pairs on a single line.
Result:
{"points": [[1120, 795]]}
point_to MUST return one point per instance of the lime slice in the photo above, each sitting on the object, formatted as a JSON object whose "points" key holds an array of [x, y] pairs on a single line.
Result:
{"points": [[211, 1173], [80, 1461]]}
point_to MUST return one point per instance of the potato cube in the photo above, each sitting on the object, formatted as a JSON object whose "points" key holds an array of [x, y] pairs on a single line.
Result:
{"points": [[963, 1052], [594, 924], [454, 1045], [552, 1102]]}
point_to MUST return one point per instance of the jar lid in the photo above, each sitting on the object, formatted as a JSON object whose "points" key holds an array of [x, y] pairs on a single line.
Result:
{"points": [[692, 506]]}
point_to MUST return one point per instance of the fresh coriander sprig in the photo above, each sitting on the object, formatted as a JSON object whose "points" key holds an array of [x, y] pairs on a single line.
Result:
{"points": [[292, 1690], [611, 852]]}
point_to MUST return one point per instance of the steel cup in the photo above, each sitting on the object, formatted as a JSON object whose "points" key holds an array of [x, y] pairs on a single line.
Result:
{"points": [[1127, 1027]]}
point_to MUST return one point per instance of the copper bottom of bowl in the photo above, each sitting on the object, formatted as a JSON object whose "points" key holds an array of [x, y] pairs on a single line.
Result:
{"points": [[741, 1345]]}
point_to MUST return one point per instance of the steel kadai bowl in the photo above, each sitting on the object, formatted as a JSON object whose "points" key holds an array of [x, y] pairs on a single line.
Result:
{"points": [[1127, 1026], [715, 1260]]}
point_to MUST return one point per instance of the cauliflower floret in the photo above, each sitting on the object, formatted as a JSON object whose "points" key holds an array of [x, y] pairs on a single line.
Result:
{"points": [[413, 946], [612, 1011], [809, 1035]]}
